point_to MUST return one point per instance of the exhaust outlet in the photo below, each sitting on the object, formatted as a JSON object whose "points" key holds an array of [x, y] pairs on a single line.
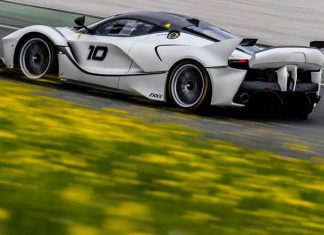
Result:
{"points": [[245, 98]]}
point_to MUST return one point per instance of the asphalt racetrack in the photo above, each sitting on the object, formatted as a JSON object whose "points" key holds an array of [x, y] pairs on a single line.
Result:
{"points": [[288, 22], [290, 137]]}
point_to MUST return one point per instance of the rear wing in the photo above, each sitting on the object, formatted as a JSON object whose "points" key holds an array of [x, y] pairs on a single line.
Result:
{"points": [[305, 58], [317, 44], [248, 42]]}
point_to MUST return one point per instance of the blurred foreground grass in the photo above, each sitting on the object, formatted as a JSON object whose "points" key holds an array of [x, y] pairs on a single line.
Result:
{"points": [[70, 170]]}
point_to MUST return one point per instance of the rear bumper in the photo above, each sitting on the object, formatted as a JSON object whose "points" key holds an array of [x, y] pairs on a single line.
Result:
{"points": [[268, 98], [253, 86], [300, 104]]}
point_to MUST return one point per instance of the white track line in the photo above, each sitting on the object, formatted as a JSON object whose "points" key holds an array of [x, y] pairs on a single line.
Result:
{"points": [[8, 27]]}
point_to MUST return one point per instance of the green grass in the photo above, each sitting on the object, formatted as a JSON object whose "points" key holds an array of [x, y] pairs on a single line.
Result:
{"points": [[66, 169]]}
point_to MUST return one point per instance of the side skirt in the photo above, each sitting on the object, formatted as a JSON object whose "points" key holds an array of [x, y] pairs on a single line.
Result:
{"points": [[94, 86]]}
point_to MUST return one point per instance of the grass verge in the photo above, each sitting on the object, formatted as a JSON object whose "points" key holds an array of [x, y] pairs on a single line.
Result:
{"points": [[66, 169]]}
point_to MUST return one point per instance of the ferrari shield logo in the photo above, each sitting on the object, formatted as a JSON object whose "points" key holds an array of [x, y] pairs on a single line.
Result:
{"points": [[79, 36]]}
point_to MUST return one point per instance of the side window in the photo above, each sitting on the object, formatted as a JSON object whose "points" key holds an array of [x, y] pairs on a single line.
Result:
{"points": [[142, 28], [125, 27]]}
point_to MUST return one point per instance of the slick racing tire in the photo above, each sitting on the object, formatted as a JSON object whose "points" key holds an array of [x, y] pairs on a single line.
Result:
{"points": [[189, 86], [37, 57]]}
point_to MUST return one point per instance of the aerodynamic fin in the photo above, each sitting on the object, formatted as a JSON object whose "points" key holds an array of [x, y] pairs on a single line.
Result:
{"points": [[248, 42], [317, 44]]}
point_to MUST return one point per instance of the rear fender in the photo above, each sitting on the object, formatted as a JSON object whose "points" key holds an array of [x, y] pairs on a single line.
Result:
{"points": [[162, 53], [213, 55]]}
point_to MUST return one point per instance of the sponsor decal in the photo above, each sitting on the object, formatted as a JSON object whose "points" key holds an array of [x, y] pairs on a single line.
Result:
{"points": [[156, 96], [98, 53], [174, 34]]}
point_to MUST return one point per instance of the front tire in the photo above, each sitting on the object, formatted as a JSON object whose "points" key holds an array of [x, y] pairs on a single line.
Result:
{"points": [[37, 57], [189, 86]]}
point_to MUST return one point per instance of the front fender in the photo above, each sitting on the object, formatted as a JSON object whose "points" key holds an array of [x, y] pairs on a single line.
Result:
{"points": [[10, 42]]}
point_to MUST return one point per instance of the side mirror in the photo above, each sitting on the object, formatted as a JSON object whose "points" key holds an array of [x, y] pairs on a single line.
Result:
{"points": [[80, 21]]}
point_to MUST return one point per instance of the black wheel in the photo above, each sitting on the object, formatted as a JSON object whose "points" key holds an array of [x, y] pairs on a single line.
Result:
{"points": [[37, 57], [189, 86]]}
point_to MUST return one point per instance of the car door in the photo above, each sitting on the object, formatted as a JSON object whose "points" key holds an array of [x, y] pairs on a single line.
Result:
{"points": [[104, 52]]}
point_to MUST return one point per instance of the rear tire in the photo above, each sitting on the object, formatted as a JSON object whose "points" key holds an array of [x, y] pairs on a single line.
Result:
{"points": [[37, 57], [189, 86]]}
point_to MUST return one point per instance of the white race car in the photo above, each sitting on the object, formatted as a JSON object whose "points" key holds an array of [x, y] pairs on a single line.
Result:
{"points": [[170, 58]]}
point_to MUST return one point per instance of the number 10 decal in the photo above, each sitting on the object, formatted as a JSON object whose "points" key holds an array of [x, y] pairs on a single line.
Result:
{"points": [[97, 53]]}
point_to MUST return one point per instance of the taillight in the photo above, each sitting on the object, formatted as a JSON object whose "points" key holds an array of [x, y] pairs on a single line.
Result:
{"points": [[239, 64]]}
